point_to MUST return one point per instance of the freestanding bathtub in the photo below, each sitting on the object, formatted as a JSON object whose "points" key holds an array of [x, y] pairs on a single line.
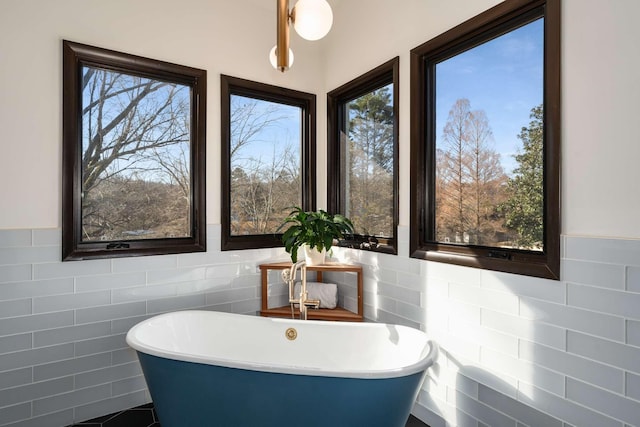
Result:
{"points": [[207, 368]]}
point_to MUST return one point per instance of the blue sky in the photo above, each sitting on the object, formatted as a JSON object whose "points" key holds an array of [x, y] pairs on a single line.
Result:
{"points": [[503, 77], [274, 138]]}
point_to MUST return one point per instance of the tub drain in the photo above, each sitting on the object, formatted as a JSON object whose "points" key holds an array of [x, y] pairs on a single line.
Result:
{"points": [[291, 334]]}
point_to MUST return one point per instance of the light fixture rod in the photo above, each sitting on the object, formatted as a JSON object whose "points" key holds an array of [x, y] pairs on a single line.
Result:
{"points": [[282, 40]]}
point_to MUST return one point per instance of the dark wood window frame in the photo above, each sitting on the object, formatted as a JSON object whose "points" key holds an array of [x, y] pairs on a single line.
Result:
{"points": [[75, 56], [307, 103], [383, 75], [493, 22]]}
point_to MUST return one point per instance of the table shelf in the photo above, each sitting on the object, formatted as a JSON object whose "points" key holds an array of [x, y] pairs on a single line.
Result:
{"points": [[338, 313]]}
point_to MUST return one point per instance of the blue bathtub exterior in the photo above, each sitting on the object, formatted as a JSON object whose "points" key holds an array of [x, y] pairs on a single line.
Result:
{"points": [[187, 394]]}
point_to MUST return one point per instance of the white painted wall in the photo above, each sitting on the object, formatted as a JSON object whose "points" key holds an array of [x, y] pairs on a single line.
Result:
{"points": [[600, 88], [231, 38], [601, 150], [515, 350]]}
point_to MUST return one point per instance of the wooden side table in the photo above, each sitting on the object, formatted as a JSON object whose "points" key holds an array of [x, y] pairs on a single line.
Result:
{"points": [[337, 313]]}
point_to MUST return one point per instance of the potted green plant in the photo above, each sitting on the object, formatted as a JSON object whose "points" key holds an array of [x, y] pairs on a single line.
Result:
{"points": [[313, 230]]}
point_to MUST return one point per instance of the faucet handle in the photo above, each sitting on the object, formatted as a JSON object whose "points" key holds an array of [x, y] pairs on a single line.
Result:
{"points": [[313, 303]]}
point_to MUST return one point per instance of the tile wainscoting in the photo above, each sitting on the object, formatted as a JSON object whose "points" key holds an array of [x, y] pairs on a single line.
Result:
{"points": [[515, 350]]}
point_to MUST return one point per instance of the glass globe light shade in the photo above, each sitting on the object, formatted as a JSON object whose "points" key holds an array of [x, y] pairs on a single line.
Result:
{"points": [[312, 18], [273, 58]]}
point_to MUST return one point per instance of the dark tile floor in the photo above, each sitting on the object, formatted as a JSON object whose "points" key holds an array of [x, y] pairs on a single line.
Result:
{"points": [[145, 416], [140, 416], [414, 422]]}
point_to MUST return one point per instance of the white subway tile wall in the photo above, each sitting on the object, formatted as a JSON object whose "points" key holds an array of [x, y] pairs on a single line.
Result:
{"points": [[515, 351], [575, 343], [63, 355], [521, 351]]}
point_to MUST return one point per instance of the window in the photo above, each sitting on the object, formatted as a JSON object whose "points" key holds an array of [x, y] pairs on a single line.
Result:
{"points": [[485, 142], [133, 155], [268, 160], [363, 157]]}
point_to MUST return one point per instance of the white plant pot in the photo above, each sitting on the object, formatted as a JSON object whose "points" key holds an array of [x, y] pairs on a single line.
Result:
{"points": [[313, 256]]}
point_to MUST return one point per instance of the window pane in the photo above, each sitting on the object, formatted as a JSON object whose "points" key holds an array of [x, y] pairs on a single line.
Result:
{"points": [[489, 143], [136, 169], [485, 142], [368, 161], [265, 151]]}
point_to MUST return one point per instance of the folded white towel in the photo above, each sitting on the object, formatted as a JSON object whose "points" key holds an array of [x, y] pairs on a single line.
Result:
{"points": [[327, 293]]}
